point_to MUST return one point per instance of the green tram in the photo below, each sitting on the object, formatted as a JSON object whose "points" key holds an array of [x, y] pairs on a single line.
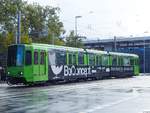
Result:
{"points": [[42, 63]]}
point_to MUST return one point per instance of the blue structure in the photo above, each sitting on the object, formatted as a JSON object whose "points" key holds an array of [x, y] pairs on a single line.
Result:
{"points": [[136, 45]]}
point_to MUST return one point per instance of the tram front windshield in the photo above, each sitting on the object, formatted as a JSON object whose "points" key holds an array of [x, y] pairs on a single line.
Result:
{"points": [[15, 55]]}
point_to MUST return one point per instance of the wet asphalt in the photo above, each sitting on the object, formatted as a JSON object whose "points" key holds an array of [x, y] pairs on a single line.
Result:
{"points": [[127, 95]]}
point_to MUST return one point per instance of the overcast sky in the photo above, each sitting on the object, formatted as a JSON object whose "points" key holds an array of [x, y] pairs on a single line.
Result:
{"points": [[104, 18]]}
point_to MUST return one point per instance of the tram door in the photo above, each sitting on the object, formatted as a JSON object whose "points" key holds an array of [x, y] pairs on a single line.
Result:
{"points": [[42, 63], [36, 63], [39, 67]]}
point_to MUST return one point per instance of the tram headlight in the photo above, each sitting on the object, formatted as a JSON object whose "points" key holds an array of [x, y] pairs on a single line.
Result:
{"points": [[8, 72], [20, 73]]}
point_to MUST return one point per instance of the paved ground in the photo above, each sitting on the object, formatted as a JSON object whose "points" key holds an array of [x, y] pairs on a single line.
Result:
{"points": [[128, 95]]}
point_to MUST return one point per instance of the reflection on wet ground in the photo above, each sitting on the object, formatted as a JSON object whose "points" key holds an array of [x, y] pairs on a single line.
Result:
{"points": [[83, 97]]}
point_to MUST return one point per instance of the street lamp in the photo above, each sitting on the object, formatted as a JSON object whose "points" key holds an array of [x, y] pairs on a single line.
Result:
{"points": [[144, 54], [18, 33], [76, 30], [115, 45]]}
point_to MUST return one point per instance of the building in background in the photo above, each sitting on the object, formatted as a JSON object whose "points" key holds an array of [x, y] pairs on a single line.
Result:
{"points": [[136, 45]]}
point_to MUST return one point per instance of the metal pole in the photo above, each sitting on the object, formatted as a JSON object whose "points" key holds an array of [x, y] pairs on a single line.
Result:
{"points": [[18, 27], [75, 25], [53, 40], [115, 48], [144, 56], [76, 29]]}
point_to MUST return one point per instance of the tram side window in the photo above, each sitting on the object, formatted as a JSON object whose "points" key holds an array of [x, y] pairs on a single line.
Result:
{"points": [[91, 59], [70, 58], [19, 56], [74, 59], [42, 61], [100, 60], [35, 57], [61, 57], [97, 60], [28, 58], [52, 57], [126, 61], [131, 61], [81, 59], [120, 61], [105, 59], [136, 62], [11, 56], [114, 60]]}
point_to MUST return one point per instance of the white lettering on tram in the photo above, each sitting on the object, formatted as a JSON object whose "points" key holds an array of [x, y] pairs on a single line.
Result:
{"points": [[72, 71]]}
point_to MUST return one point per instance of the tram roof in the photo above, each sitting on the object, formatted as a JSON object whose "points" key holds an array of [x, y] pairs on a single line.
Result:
{"points": [[47, 46], [96, 51], [123, 54], [73, 49]]}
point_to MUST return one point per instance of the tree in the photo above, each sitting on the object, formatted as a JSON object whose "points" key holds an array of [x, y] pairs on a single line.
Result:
{"points": [[8, 40], [34, 20], [53, 22], [74, 41], [1, 43], [37, 22], [8, 9], [25, 39]]}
